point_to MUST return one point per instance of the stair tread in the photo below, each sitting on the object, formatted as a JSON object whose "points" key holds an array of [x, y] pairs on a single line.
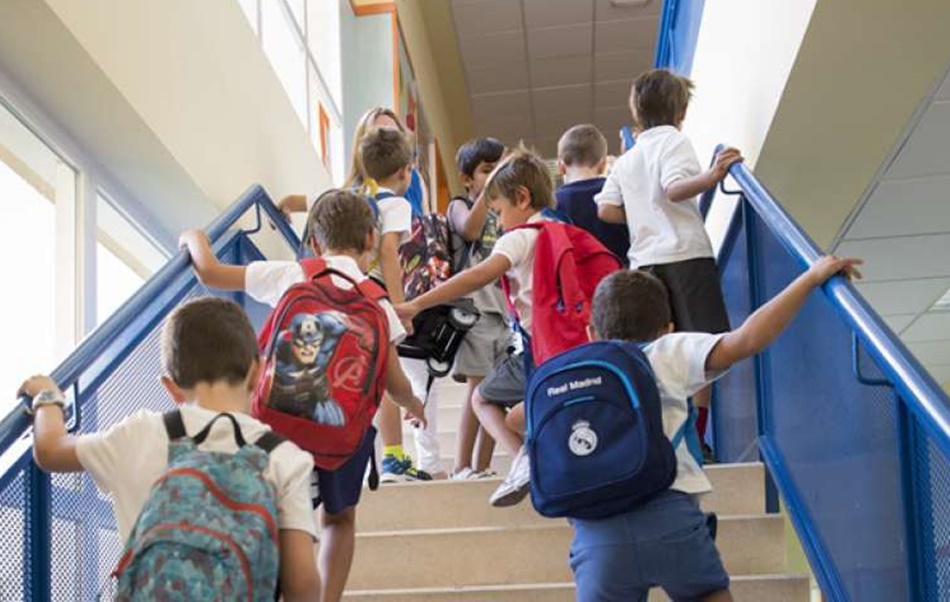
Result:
{"points": [[555, 523], [546, 585]]}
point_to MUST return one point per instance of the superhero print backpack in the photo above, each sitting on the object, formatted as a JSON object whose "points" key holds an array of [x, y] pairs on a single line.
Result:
{"points": [[325, 351]]}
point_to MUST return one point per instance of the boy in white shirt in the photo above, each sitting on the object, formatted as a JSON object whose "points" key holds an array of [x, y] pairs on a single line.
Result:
{"points": [[343, 230], [664, 542], [519, 190], [386, 160], [652, 188], [211, 361]]}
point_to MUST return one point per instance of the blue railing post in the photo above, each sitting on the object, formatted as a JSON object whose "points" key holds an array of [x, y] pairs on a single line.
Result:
{"points": [[38, 552]]}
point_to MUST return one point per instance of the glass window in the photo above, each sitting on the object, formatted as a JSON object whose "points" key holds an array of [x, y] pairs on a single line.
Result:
{"points": [[283, 47], [250, 11], [298, 8], [125, 259], [34, 184], [323, 38]]}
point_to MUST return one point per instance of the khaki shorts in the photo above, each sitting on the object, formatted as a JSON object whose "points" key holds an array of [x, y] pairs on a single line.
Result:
{"points": [[483, 347]]}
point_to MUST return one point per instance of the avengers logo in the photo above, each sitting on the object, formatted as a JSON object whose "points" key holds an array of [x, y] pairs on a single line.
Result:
{"points": [[349, 374]]}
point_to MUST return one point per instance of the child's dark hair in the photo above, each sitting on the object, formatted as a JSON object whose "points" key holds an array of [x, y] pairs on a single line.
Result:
{"points": [[383, 152], [477, 151], [521, 168], [341, 220], [660, 97], [582, 146], [630, 305], [208, 340]]}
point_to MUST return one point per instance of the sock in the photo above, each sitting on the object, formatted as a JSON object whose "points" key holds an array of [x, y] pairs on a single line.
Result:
{"points": [[702, 417], [394, 450]]}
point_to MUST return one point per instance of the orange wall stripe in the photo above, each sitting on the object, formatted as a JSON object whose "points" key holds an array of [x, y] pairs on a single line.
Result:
{"points": [[362, 10]]}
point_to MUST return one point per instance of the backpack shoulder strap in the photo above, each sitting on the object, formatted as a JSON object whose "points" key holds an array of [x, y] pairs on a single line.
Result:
{"points": [[174, 425], [313, 267], [371, 289], [269, 441], [380, 196]]}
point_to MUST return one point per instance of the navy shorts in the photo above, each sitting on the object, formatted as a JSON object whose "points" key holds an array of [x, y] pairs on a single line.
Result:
{"points": [[695, 295], [340, 489], [664, 543]]}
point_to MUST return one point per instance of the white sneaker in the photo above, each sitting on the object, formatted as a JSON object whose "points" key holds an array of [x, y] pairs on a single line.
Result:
{"points": [[516, 485], [463, 474]]}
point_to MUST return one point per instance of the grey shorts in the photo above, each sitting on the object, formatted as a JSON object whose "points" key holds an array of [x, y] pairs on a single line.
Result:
{"points": [[506, 384], [663, 543], [483, 347]]}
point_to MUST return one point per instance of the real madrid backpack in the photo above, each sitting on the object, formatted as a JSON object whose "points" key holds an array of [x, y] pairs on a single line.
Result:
{"points": [[595, 432]]}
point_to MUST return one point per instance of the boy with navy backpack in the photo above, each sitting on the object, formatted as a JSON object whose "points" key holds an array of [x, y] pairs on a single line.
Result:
{"points": [[330, 351], [600, 421], [527, 258], [176, 479]]}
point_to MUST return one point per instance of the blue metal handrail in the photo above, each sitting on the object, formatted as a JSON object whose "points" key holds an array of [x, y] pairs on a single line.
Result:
{"points": [[918, 389], [774, 243], [17, 423]]}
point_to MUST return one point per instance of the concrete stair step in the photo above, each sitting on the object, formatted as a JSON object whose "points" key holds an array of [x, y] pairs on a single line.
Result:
{"points": [[470, 557], [737, 489], [756, 588]]}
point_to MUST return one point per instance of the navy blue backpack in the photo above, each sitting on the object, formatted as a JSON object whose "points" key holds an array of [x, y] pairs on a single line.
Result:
{"points": [[595, 432]]}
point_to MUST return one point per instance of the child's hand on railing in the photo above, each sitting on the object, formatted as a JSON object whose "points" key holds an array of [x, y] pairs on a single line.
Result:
{"points": [[35, 385], [829, 266], [724, 160], [193, 241]]}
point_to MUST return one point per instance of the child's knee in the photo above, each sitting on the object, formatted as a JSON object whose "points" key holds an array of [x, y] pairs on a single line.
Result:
{"points": [[344, 518]]}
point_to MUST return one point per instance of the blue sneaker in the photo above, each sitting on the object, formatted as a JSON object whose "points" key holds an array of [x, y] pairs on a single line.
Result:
{"points": [[398, 471]]}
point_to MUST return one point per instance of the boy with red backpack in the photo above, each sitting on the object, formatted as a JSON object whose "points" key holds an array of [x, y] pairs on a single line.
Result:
{"points": [[549, 270], [193, 494], [330, 353]]}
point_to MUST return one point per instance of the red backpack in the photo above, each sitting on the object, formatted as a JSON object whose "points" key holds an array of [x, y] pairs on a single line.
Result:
{"points": [[569, 263], [325, 350]]}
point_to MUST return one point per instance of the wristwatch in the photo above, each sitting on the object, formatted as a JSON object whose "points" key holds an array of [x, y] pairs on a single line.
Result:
{"points": [[48, 398]]}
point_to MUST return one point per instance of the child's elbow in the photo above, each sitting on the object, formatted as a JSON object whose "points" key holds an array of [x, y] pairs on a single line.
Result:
{"points": [[302, 587], [43, 456]]}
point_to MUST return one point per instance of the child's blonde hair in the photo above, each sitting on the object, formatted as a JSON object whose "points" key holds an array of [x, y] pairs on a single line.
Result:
{"points": [[366, 123], [521, 168]]}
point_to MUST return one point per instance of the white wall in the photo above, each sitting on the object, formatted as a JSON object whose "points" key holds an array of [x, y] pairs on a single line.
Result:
{"points": [[744, 54]]}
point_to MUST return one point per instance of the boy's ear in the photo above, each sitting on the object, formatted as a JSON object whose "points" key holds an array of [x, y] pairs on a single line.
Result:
{"points": [[670, 328], [176, 392], [254, 374], [522, 197], [592, 333], [561, 168], [315, 246], [601, 167], [370, 241], [466, 180]]}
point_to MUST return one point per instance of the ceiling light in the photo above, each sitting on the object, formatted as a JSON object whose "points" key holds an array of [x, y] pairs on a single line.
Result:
{"points": [[943, 303]]}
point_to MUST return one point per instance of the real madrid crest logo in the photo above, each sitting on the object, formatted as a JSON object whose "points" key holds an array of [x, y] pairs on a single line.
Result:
{"points": [[582, 440]]}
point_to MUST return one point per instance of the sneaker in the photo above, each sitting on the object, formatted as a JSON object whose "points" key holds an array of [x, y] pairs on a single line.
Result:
{"points": [[516, 485], [397, 470], [463, 474]]}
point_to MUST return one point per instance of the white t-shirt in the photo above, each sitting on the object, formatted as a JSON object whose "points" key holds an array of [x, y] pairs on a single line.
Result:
{"points": [[518, 247], [129, 457], [679, 363], [395, 215], [661, 231], [267, 281]]}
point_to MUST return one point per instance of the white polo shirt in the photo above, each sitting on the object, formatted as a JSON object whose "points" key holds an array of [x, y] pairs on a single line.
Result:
{"points": [[661, 231]]}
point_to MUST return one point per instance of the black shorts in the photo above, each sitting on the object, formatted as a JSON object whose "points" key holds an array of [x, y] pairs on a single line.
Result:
{"points": [[340, 489], [695, 295]]}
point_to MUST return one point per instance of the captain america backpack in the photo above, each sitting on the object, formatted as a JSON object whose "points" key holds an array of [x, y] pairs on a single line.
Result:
{"points": [[325, 350], [595, 435]]}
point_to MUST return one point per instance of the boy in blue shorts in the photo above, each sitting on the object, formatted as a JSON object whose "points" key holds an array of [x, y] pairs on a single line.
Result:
{"points": [[343, 228], [665, 541]]}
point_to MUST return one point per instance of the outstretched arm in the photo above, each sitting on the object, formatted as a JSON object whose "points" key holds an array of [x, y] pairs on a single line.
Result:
{"points": [[457, 286], [687, 188], [294, 203], [53, 448], [770, 320], [389, 264], [209, 270]]}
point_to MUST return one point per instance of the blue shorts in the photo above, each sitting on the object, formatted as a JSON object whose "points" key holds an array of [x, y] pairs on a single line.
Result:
{"points": [[664, 543], [340, 489]]}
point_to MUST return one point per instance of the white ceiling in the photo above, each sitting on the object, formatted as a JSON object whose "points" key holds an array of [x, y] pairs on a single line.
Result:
{"points": [[902, 230], [536, 67]]}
